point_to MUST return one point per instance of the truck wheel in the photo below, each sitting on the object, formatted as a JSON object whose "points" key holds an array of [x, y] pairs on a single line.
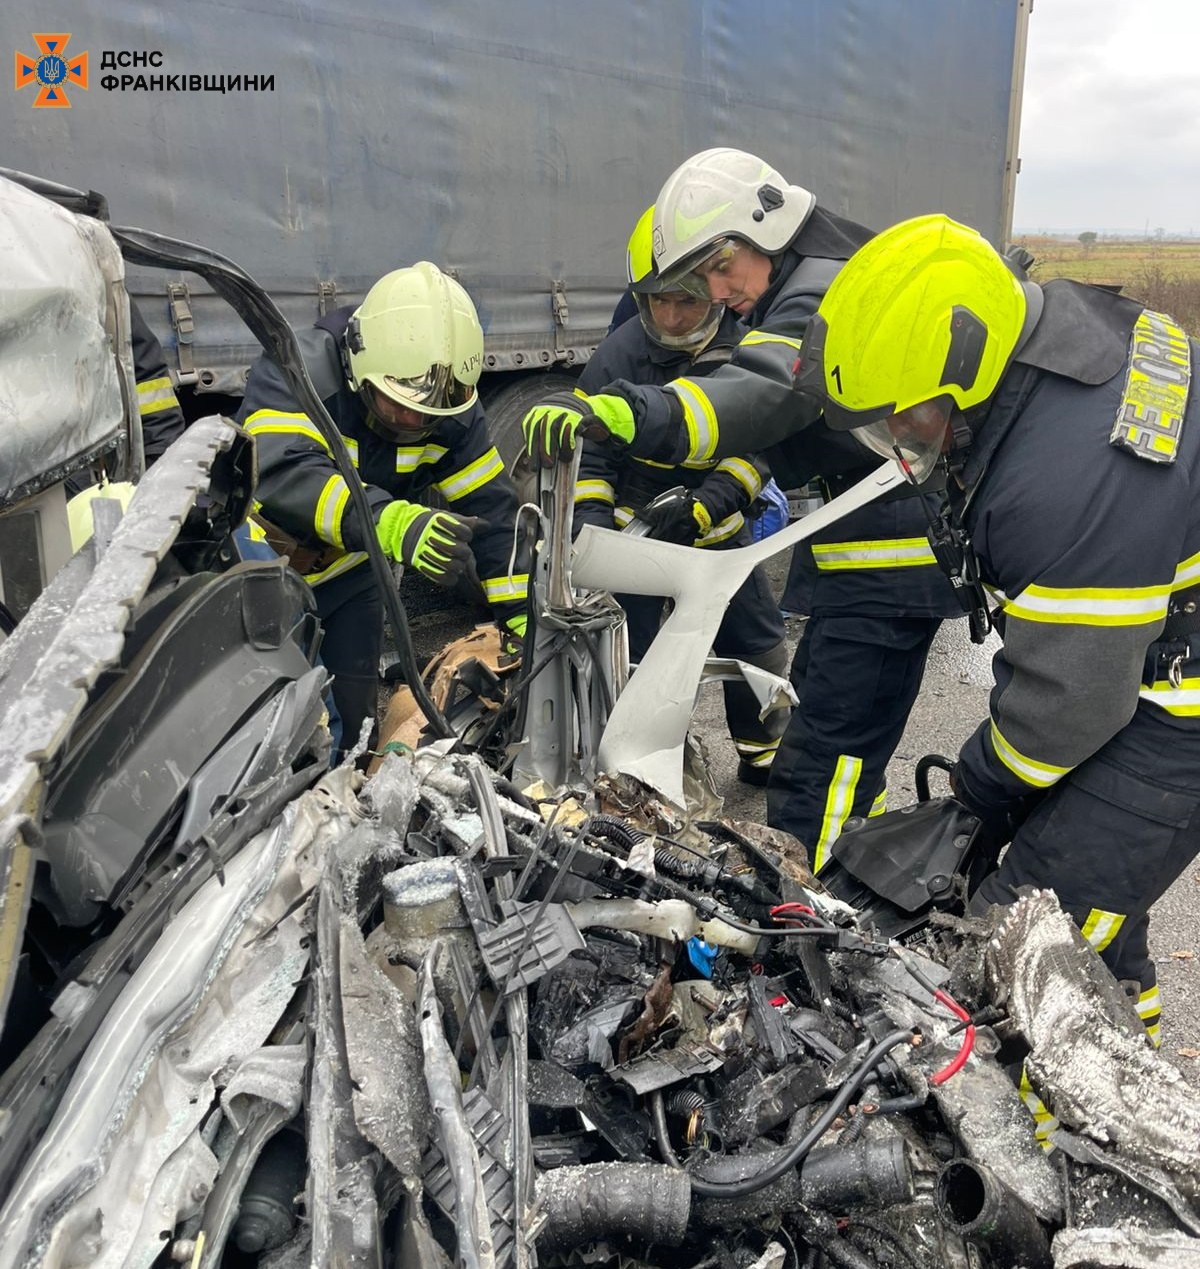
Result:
{"points": [[507, 404]]}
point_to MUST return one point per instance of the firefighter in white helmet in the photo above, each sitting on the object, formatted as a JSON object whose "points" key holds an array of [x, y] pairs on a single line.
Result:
{"points": [[728, 226]]}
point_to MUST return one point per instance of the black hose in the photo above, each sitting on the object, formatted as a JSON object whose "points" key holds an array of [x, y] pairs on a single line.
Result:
{"points": [[616, 830], [662, 1136], [930, 762], [785, 1162], [643, 1201], [979, 1207], [899, 1105], [268, 325]]}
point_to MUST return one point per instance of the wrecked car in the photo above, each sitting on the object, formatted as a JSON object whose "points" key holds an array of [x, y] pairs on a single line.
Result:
{"points": [[524, 996]]}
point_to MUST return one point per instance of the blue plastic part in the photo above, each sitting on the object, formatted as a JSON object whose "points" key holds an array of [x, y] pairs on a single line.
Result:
{"points": [[775, 516], [702, 955]]}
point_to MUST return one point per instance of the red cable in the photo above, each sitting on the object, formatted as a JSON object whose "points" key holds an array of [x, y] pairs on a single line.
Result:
{"points": [[959, 1060], [785, 914], [793, 907]]}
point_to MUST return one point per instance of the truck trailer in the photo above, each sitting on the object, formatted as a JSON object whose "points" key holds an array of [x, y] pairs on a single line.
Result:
{"points": [[514, 145]]}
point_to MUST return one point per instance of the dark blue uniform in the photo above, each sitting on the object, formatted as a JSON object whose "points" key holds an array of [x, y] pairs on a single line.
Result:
{"points": [[1091, 544]]}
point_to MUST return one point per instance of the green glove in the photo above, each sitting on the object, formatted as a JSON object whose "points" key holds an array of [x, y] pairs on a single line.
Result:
{"points": [[512, 636], [435, 543], [551, 427]]}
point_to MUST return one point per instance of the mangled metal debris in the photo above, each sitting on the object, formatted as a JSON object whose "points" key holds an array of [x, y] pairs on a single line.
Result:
{"points": [[278, 1017], [515, 1049]]}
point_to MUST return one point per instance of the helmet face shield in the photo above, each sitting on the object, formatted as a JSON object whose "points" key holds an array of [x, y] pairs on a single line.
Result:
{"points": [[679, 319], [691, 273], [916, 436], [437, 391], [913, 437], [410, 409]]}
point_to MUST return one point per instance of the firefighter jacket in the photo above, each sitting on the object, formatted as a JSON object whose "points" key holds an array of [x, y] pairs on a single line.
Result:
{"points": [[1079, 492], [612, 485], [162, 419], [300, 490], [876, 561]]}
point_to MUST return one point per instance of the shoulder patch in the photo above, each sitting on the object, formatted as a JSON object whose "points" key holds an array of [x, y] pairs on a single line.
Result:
{"points": [[1150, 416]]}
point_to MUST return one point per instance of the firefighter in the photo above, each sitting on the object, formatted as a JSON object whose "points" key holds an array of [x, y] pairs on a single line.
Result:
{"points": [[162, 418], [728, 224], [679, 332], [1067, 418], [398, 375]]}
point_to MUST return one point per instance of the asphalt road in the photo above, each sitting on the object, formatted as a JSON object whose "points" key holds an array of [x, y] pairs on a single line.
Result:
{"points": [[952, 702]]}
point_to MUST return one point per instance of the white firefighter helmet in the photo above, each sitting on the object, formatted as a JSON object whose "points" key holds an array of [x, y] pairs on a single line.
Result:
{"points": [[719, 195]]}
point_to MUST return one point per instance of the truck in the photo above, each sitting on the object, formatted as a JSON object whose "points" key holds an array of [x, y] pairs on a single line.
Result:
{"points": [[514, 145]]}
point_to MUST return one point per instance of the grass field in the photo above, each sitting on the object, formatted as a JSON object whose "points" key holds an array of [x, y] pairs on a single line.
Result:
{"points": [[1164, 275]]}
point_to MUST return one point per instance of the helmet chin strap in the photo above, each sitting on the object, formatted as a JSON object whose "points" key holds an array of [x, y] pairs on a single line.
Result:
{"points": [[952, 548], [961, 440]]}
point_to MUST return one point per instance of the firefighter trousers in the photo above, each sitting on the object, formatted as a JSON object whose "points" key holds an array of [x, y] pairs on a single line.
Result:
{"points": [[856, 678]]}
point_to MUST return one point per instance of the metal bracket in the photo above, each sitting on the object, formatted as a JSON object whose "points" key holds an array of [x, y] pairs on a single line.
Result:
{"points": [[180, 309], [326, 297], [562, 314]]}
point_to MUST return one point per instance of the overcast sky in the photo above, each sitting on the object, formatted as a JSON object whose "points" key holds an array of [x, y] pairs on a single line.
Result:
{"points": [[1110, 127]]}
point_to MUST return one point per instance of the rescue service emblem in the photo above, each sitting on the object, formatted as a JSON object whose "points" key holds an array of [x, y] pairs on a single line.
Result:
{"points": [[52, 72]]}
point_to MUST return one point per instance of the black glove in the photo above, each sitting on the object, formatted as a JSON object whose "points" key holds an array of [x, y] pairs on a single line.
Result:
{"points": [[676, 516]]}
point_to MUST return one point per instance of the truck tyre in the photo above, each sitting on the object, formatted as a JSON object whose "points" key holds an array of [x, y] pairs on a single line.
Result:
{"points": [[507, 404]]}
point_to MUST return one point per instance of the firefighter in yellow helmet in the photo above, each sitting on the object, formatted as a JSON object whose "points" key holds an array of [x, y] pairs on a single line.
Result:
{"points": [[681, 332], [398, 375], [1069, 422]]}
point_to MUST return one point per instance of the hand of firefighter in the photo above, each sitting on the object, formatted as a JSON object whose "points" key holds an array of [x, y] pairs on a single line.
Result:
{"points": [[435, 543], [679, 515], [1000, 820], [551, 427], [512, 638]]}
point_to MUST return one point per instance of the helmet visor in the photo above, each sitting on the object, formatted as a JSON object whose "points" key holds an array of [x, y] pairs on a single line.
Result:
{"points": [[691, 273], [437, 391], [678, 319], [915, 438]]}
